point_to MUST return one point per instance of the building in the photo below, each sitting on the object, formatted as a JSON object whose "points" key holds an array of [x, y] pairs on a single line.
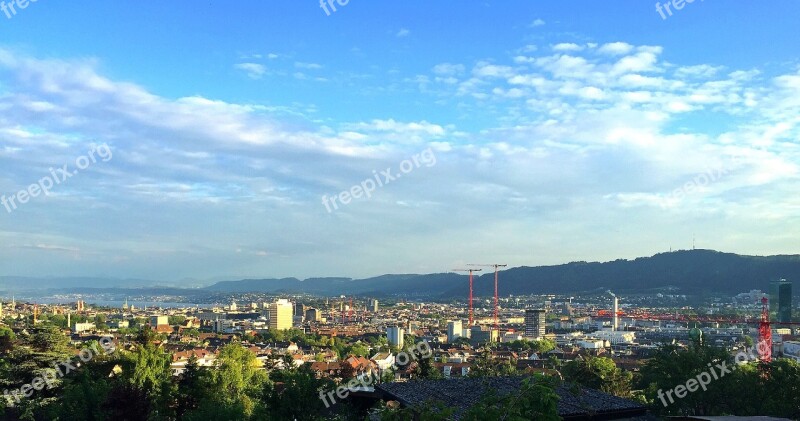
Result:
{"points": [[280, 315], [395, 334], [83, 327], [454, 330], [480, 334], [374, 305], [300, 310], [780, 301], [313, 315], [535, 323], [156, 321]]}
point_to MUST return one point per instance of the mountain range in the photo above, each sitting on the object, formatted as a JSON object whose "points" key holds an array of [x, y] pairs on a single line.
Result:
{"points": [[685, 271]]}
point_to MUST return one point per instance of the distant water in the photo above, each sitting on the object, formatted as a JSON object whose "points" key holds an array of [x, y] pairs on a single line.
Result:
{"points": [[116, 303]]}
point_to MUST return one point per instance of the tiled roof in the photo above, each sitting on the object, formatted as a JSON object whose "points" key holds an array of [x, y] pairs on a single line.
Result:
{"points": [[463, 393]]}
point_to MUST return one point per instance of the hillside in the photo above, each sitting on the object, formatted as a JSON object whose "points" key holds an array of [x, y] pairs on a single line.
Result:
{"points": [[692, 271]]}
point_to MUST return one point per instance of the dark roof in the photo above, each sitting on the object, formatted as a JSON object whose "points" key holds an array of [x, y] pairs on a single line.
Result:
{"points": [[463, 393]]}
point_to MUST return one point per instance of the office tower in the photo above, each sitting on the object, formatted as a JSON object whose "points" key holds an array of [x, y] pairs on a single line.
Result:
{"points": [[300, 310], [280, 315], [313, 315], [395, 335], [534, 323], [454, 330], [374, 304], [780, 301]]}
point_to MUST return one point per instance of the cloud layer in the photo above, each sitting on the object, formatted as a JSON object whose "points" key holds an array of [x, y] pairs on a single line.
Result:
{"points": [[558, 152]]}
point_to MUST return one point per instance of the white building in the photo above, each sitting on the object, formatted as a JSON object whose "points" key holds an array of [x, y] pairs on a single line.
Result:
{"points": [[384, 360], [791, 349], [395, 335], [615, 337], [281, 314], [83, 327], [454, 330], [510, 337]]}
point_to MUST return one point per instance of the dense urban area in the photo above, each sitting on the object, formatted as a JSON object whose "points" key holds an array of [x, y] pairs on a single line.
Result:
{"points": [[306, 357]]}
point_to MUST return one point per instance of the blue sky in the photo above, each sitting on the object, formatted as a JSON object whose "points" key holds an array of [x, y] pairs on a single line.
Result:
{"points": [[561, 131]]}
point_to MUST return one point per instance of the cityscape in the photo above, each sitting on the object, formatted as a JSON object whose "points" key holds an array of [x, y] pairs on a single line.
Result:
{"points": [[344, 210]]}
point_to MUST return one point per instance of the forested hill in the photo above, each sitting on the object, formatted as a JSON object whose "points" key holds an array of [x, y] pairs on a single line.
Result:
{"points": [[692, 271]]}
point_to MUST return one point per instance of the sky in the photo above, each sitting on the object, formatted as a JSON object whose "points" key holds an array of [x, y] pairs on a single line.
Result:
{"points": [[209, 139]]}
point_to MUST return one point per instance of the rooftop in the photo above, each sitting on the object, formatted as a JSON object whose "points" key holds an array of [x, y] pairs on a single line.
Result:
{"points": [[463, 393]]}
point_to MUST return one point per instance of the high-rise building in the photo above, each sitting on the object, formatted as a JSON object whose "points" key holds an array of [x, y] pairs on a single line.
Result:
{"points": [[535, 323], [300, 310], [313, 315], [395, 335], [780, 301], [374, 304], [454, 330], [280, 315]]}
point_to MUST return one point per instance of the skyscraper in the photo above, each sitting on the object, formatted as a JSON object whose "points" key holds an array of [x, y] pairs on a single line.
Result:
{"points": [[534, 323], [780, 301], [280, 315]]}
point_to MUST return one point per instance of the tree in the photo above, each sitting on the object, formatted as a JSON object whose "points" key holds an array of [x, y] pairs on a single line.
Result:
{"points": [[189, 387], [535, 400], [599, 373], [149, 373], [299, 399], [236, 384], [673, 366], [485, 365], [7, 338], [425, 369]]}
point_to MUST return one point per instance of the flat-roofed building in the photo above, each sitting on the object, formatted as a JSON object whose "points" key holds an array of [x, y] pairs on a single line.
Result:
{"points": [[280, 315]]}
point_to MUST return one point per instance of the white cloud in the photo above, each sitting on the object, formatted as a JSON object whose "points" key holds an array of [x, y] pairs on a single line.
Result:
{"points": [[448, 69], [567, 46], [307, 66], [403, 33], [253, 70], [615, 48]]}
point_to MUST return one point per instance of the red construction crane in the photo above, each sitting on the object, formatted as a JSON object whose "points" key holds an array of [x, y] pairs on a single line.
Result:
{"points": [[764, 345], [496, 305], [765, 333], [470, 289]]}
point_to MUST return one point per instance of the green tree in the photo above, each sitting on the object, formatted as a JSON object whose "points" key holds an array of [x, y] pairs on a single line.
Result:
{"points": [[236, 383], [673, 366], [599, 373], [485, 365], [299, 398], [425, 369], [536, 400]]}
